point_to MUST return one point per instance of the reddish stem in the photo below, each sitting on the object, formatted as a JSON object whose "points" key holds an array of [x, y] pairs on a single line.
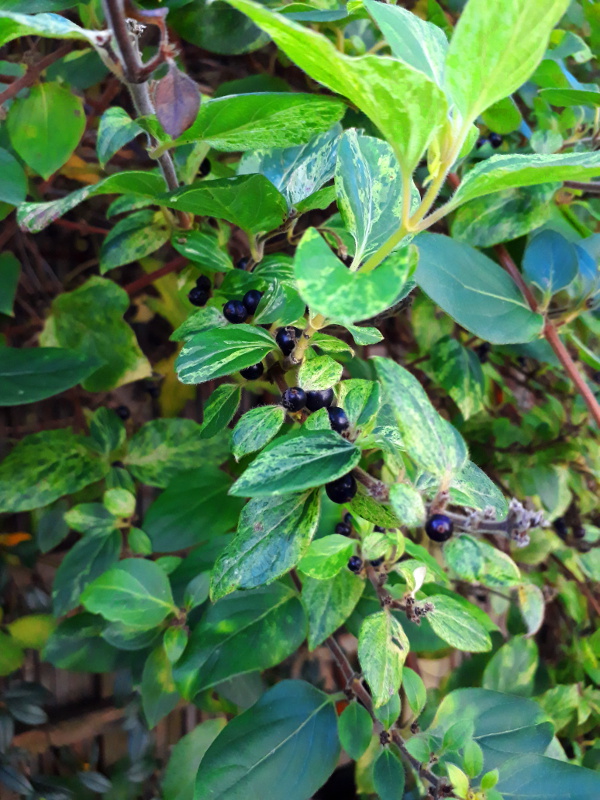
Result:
{"points": [[146, 280], [33, 73]]}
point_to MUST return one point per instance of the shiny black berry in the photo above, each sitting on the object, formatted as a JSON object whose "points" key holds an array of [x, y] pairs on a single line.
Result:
{"points": [[348, 518], [480, 142], [251, 300], [204, 168], [235, 311], [202, 282], [495, 140], [560, 526], [342, 490], [338, 419], [198, 296], [343, 529], [579, 532], [123, 412], [316, 399], [483, 352], [439, 527], [293, 399], [379, 529], [286, 339], [243, 263], [253, 372], [377, 562], [355, 564]]}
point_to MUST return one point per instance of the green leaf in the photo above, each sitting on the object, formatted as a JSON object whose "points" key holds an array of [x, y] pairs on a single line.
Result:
{"points": [[133, 238], [92, 518], [408, 505], [503, 117], [453, 622], [249, 201], [243, 632], [220, 409], [494, 49], [327, 556], [507, 172], [203, 319], [51, 26], [369, 191], [475, 560], [532, 606], [382, 650], [570, 97], [163, 448], [119, 502], [10, 271], [263, 120], [255, 429], [550, 261], [320, 372], [77, 645], [388, 775], [159, 695], [290, 733], [458, 370], [472, 487], [417, 43], [203, 249], [32, 374], [32, 630], [222, 351], [389, 713], [297, 172], [487, 221], [135, 592], [12, 655], [45, 127], [194, 508], [13, 189], [90, 321], [503, 725], [355, 729], [295, 463], [329, 603], [475, 291], [367, 507], [84, 562], [180, 775], [429, 439], [539, 778], [107, 430], [330, 288], [402, 102], [45, 466], [360, 400], [415, 690], [512, 668], [34, 217], [273, 534], [472, 759], [115, 130]]}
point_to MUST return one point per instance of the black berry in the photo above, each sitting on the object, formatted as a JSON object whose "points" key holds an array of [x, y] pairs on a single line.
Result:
{"points": [[152, 389], [377, 562], [198, 296], [379, 529], [123, 412], [235, 311], [560, 527], [202, 282], [348, 518], [204, 168], [579, 532], [342, 490], [355, 564], [338, 419], [483, 351], [253, 372], [439, 527], [316, 399], [251, 300], [286, 339], [495, 140], [343, 529], [243, 263], [480, 142], [118, 464], [293, 399]]}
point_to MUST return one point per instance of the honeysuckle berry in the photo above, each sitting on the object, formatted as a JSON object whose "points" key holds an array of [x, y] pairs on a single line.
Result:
{"points": [[439, 527], [343, 529], [348, 519], [123, 412], [341, 490], [379, 529], [560, 526], [242, 263], [338, 419], [251, 300], [286, 339], [495, 140], [203, 282], [253, 372], [377, 562], [235, 311], [204, 168], [579, 532], [316, 399], [481, 141], [355, 564], [293, 399], [198, 297]]}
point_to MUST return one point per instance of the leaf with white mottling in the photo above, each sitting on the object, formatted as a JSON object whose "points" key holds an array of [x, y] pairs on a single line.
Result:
{"points": [[408, 505], [219, 409], [532, 606], [202, 248], [458, 370], [329, 603], [51, 26], [475, 560], [203, 319], [319, 372], [382, 650], [471, 487], [116, 129], [455, 624], [256, 429]]}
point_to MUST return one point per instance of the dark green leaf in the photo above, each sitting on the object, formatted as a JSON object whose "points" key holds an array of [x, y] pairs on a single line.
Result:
{"points": [[84, 562], [415, 690], [289, 736], [329, 603], [10, 270], [355, 728], [550, 261], [458, 371], [388, 775], [539, 778], [13, 188], [219, 409], [133, 238], [256, 429], [203, 249], [115, 130], [159, 694], [180, 775]]}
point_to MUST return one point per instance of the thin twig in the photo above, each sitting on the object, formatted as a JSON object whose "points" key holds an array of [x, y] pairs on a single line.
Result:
{"points": [[172, 266], [33, 73], [592, 187]]}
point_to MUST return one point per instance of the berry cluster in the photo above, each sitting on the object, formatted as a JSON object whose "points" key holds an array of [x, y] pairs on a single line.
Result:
{"points": [[238, 311], [199, 295], [495, 139]]}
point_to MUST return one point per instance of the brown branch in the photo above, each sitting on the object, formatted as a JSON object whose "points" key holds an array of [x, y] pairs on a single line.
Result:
{"points": [[510, 266], [591, 188], [33, 73], [172, 266], [69, 731]]}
